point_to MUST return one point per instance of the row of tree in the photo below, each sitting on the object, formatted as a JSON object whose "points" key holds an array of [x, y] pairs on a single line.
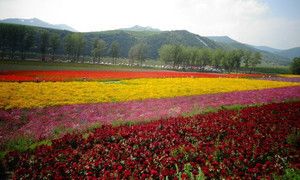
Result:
{"points": [[74, 45], [16, 39], [21, 40], [178, 55]]}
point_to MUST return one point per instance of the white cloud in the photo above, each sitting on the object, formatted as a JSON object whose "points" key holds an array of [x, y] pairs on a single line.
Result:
{"points": [[244, 20]]}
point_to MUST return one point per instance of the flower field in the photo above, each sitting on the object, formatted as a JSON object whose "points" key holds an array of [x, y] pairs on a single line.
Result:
{"points": [[227, 144], [171, 138]]}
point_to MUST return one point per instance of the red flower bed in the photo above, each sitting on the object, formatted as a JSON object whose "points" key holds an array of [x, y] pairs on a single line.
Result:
{"points": [[227, 144], [67, 75]]}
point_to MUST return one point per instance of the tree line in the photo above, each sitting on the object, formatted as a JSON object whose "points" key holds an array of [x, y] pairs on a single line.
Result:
{"points": [[187, 57], [47, 44], [21, 40]]}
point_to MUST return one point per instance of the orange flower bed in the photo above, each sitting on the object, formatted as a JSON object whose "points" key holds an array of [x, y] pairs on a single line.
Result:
{"points": [[69, 75]]}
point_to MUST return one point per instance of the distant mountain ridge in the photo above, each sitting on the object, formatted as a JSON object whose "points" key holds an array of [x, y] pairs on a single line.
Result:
{"points": [[267, 48], [140, 28], [290, 53], [222, 39], [38, 23], [287, 53]]}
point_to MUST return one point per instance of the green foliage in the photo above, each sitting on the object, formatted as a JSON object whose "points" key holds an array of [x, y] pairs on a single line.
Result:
{"points": [[19, 143], [188, 173], [171, 54], [236, 107], [59, 130], [122, 123], [94, 126], [39, 143], [115, 46], [54, 43], [294, 138], [44, 43], [179, 55], [19, 39], [295, 66], [98, 49], [197, 110], [74, 45], [289, 174], [138, 52], [255, 60], [22, 144]]}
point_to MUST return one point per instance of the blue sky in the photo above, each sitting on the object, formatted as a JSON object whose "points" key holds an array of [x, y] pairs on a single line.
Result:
{"points": [[274, 23], [285, 8]]}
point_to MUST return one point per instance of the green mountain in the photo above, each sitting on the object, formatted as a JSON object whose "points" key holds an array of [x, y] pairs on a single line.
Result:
{"points": [[222, 39], [126, 39], [154, 40], [268, 58], [290, 53], [266, 48]]}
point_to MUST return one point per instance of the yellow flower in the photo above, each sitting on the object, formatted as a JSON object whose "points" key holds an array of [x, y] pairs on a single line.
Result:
{"points": [[31, 94]]}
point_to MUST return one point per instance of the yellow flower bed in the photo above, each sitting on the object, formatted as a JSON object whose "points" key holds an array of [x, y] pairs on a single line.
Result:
{"points": [[31, 94]]}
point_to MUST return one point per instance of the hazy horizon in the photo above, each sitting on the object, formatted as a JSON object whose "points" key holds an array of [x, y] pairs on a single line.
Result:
{"points": [[273, 23]]}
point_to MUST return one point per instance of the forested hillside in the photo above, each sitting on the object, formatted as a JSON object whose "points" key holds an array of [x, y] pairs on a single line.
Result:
{"points": [[18, 41]]}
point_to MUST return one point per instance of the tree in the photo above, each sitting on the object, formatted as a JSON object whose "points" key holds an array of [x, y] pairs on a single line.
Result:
{"points": [[98, 49], [13, 38], [3, 40], [204, 57], [74, 45], [295, 66], [247, 58], [114, 51], [255, 60], [25, 40], [171, 54], [186, 56], [54, 44], [216, 58], [44, 44], [165, 53], [138, 52], [238, 56], [28, 41]]}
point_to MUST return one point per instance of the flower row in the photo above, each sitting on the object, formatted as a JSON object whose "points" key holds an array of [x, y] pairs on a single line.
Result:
{"points": [[41, 123], [68, 75], [247, 144], [30, 94]]}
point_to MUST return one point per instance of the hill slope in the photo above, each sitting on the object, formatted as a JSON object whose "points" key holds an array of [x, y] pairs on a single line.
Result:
{"points": [[268, 58], [38, 23], [267, 48], [156, 39], [290, 53]]}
